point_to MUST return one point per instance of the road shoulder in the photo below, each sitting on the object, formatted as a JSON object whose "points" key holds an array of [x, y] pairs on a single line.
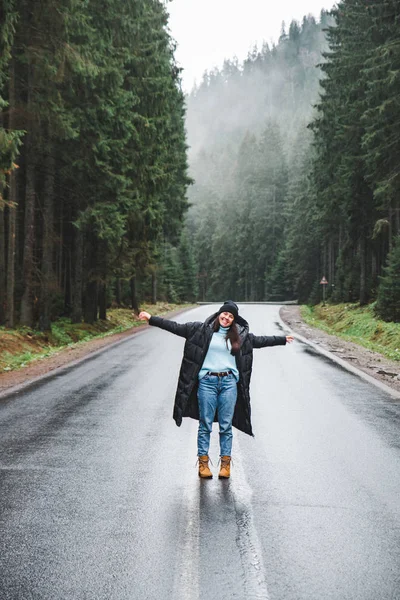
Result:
{"points": [[14, 381], [371, 365], [355, 358]]}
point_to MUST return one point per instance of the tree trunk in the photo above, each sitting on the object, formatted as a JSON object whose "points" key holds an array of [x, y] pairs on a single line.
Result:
{"points": [[12, 213], [2, 266], [101, 261], [102, 301], [68, 281], [91, 290], [60, 245], [90, 312], [11, 249], [47, 284], [134, 300], [154, 288], [29, 220], [331, 262], [363, 270], [374, 269], [77, 278], [118, 291], [29, 226]]}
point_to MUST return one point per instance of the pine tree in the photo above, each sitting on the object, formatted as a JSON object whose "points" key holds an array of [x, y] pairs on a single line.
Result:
{"points": [[96, 89], [170, 275], [272, 183], [381, 140], [298, 262], [187, 281], [138, 140], [344, 196], [388, 303], [10, 141]]}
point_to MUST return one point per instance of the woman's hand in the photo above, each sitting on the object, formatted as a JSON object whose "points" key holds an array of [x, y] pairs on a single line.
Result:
{"points": [[144, 316], [289, 339]]}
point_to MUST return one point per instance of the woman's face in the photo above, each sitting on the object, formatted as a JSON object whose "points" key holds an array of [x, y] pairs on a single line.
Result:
{"points": [[226, 319]]}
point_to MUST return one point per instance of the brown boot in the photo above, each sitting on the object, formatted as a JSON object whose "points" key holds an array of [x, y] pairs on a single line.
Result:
{"points": [[225, 470], [204, 470]]}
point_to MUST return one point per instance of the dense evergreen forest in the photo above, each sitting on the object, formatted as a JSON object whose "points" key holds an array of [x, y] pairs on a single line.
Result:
{"points": [[294, 161], [93, 165], [296, 158]]}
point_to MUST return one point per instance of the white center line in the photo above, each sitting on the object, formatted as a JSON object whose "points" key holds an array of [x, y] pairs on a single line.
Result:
{"points": [[186, 583], [247, 538]]}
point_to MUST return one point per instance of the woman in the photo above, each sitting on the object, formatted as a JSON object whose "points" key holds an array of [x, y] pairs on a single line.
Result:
{"points": [[214, 378]]}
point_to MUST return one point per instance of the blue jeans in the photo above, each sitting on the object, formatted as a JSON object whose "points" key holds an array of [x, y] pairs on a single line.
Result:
{"points": [[216, 393]]}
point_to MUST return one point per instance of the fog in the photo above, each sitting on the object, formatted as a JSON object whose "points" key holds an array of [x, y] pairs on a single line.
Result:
{"points": [[240, 97], [249, 144], [207, 31]]}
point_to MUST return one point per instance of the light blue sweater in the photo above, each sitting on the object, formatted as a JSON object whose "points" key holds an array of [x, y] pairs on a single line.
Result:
{"points": [[219, 357]]}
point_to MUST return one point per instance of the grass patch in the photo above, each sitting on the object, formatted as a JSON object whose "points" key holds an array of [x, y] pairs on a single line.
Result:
{"points": [[357, 324], [21, 346]]}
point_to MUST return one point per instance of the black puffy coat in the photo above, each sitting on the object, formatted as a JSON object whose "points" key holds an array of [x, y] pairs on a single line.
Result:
{"points": [[198, 337]]}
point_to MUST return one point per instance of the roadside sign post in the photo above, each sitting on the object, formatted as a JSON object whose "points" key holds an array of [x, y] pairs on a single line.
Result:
{"points": [[324, 283]]}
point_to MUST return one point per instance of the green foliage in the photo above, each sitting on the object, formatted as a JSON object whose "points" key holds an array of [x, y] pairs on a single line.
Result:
{"points": [[358, 324], [351, 132], [170, 275], [10, 141], [187, 275], [28, 346], [336, 186], [381, 142], [98, 93], [93, 113], [388, 303]]}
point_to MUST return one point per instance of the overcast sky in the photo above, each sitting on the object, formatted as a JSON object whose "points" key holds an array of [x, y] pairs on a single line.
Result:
{"points": [[207, 31]]}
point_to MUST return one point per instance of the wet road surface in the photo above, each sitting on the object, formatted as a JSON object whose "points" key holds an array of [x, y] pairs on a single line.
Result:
{"points": [[100, 499]]}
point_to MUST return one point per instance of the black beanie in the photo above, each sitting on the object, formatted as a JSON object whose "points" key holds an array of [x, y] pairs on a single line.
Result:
{"points": [[231, 307]]}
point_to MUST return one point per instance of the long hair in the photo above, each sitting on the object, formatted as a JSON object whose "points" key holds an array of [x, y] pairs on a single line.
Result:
{"points": [[232, 335]]}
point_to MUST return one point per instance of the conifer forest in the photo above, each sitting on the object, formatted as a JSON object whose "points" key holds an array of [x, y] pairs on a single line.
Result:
{"points": [[117, 187]]}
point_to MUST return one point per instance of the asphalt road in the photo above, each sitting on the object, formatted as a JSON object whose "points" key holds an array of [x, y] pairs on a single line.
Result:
{"points": [[100, 499]]}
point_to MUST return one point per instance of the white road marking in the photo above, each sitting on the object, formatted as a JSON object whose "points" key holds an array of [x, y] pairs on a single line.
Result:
{"points": [[186, 583], [247, 538]]}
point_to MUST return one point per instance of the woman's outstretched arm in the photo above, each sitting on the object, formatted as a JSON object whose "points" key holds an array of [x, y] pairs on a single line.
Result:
{"points": [[181, 329], [262, 341]]}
